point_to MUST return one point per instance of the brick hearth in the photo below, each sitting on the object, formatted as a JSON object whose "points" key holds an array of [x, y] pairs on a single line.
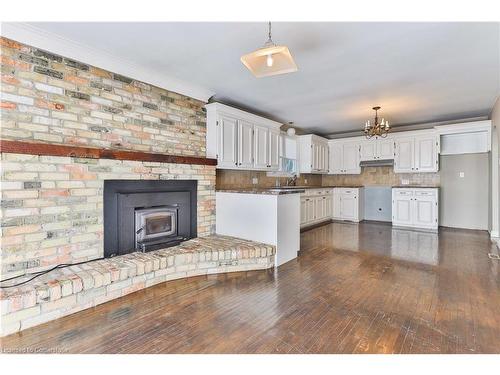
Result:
{"points": [[68, 290]]}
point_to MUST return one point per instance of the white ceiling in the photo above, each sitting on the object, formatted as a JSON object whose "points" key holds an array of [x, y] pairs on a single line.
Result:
{"points": [[417, 72]]}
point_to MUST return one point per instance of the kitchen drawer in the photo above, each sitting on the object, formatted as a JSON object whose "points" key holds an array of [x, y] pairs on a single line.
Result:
{"points": [[403, 192], [425, 192]]}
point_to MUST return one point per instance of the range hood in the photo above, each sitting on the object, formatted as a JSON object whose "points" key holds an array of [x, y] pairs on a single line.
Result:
{"points": [[377, 163]]}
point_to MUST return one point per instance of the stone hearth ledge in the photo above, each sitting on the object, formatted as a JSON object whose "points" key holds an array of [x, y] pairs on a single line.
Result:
{"points": [[68, 290]]}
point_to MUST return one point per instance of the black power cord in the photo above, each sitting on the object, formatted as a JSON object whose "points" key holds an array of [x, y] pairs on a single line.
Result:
{"points": [[40, 273]]}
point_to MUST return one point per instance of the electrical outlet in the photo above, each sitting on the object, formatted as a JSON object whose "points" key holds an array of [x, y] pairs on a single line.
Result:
{"points": [[305, 181], [461, 175], [255, 180], [405, 182]]}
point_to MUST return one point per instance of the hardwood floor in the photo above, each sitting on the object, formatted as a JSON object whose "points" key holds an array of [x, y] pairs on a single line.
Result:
{"points": [[364, 288]]}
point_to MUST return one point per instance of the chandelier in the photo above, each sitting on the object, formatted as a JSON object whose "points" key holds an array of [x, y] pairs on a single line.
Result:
{"points": [[377, 129]]}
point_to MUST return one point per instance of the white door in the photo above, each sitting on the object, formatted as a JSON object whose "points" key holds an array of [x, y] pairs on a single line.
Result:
{"points": [[303, 211], [318, 203], [326, 158], [426, 154], [385, 148], [351, 158], [404, 155], [336, 163], [227, 130], [245, 144], [274, 149], [328, 207], [310, 210], [315, 156], [424, 211], [336, 203], [321, 157], [402, 205], [368, 150], [261, 143], [349, 206]]}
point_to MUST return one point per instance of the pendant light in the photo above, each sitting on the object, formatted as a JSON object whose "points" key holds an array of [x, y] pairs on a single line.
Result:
{"points": [[269, 60]]}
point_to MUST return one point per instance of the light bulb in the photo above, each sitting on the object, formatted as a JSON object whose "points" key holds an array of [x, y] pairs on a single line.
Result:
{"points": [[269, 60]]}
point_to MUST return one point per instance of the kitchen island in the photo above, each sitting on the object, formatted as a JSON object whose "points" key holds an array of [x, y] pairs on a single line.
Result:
{"points": [[270, 216]]}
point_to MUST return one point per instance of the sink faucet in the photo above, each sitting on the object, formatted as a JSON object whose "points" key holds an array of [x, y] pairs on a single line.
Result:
{"points": [[292, 181]]}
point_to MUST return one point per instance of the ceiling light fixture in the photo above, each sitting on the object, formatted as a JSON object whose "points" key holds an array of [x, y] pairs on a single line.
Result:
{"points": [[269, 60], [379, 130]]}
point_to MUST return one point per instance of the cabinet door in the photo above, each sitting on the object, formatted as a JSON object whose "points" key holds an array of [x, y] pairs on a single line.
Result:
{"points": [[368, 150], [303, 211], [336, 203], [426, 154], [261, 142], [245, 144], [326, 158], [351, 158], [318, 204], [336, 163], [310, 210], [385, 148], [315, 156], [274, 149], [404, 155], [349, 206], [424, 211], [328, 207], [227, 130], [402, 205]]}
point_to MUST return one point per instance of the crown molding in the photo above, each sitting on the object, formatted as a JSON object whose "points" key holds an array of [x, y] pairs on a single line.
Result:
{"points": [[39, 38]]}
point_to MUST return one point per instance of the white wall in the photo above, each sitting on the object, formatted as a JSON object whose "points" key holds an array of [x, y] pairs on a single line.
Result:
{"points": [[495, 170], [464, 200]]}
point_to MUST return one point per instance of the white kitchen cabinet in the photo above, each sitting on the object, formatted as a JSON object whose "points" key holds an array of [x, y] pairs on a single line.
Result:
{"points": [[385, 148], [227, 142], [336, 163], [415, 207], [241, 140], [316, 206], [426, 153], [313, 154], [245, 144], [416, 153], [344, 156], [348, 204], [261, 140], [274, 149], [377, 148]]}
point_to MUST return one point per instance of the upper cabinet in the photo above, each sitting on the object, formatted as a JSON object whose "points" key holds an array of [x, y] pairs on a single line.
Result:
{"points": [[313, 154], [344, 156], [241, 140], [416, 152], [377, 148]]}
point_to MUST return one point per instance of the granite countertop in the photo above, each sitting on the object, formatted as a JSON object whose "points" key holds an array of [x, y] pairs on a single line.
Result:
{"points": [[264, 191], [414, 187], [321, 187]]}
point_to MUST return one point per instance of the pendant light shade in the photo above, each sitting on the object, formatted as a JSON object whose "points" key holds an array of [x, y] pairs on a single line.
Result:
{"points": [[269, 60]]}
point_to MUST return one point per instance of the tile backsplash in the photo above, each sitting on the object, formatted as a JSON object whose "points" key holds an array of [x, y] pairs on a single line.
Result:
{"points": [[370, 176], [230, 179], [382, 176]]}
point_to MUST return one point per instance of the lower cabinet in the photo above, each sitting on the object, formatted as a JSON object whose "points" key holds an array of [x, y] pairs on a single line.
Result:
{"points": [[320, 205], [315, 206], [348, 204], [416, 207]]}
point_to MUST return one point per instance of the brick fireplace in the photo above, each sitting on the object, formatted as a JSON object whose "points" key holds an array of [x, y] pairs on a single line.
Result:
{"points": [[52, 202]]}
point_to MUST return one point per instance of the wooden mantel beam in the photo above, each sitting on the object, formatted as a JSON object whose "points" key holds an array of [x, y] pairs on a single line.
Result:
{"points": [[46, 149]]}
